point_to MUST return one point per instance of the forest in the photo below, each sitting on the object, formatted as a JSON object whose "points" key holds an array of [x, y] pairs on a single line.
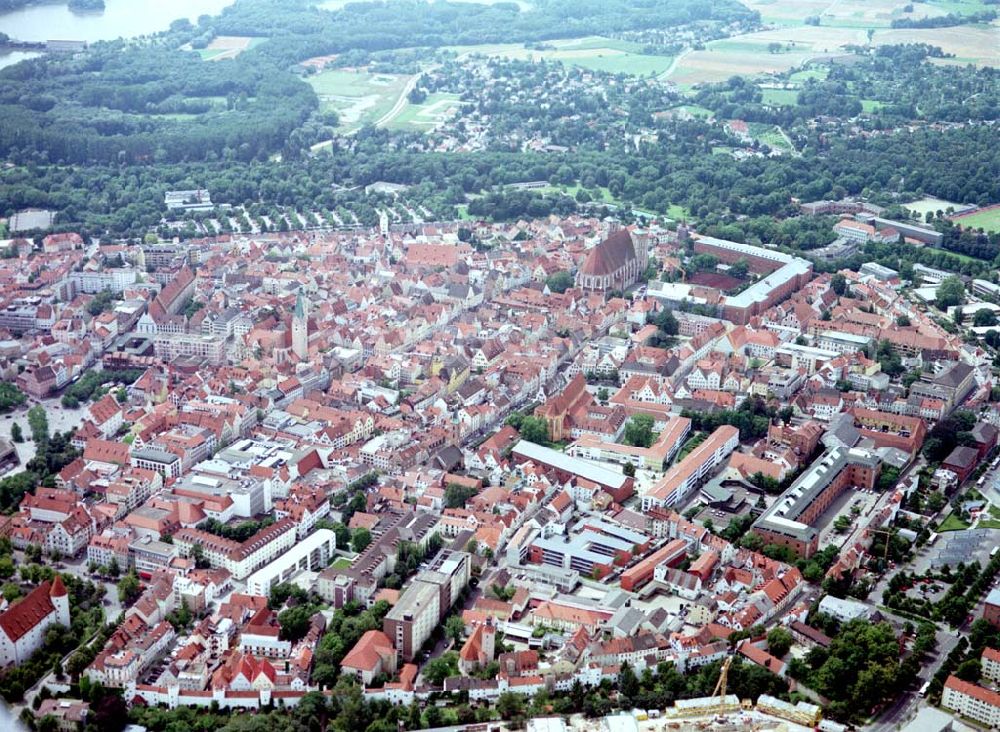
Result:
{"points": [[679, 168]]}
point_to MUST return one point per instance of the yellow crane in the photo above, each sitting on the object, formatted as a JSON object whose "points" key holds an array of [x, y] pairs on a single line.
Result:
{"points": [[720, 685]]}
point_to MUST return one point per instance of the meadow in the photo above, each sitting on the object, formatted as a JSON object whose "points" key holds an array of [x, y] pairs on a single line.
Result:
{"points": [[427, 115], [359, 97]]}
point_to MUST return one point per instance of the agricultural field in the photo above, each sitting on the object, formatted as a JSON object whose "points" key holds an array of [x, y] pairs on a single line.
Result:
{"points": [[595, 53], [987, 219], [426, 116], [359, 97], [858, 13], [223, 47], [750, 54], [971, 44]]}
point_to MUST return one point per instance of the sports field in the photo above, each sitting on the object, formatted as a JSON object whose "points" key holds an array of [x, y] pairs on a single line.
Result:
{"points": [[426, 116], [593, 52], [693, 110], [223, 47], [987, 219], [780, 97], [929, 203], [359, 97]]}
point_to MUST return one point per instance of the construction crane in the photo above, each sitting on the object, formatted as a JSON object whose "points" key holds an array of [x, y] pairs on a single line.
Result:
{"points": [[720, 685], [888, 539]]}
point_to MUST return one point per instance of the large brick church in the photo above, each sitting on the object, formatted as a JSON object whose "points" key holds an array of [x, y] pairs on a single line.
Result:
{"points": [[615, 263]]}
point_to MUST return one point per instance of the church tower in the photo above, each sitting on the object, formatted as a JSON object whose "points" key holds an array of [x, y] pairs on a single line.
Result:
{"points": [[60, 600], [300, 329]]}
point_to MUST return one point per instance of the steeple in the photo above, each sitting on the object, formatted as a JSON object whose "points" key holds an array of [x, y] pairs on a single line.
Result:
{"points": [[300, 329]]}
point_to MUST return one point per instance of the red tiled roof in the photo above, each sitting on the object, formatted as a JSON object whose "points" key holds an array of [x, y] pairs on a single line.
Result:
{"points": [[29, 612]]}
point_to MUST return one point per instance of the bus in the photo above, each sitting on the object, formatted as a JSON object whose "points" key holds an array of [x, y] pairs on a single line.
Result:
{"points": [[932, 538], [993, 551], [924, 688]]}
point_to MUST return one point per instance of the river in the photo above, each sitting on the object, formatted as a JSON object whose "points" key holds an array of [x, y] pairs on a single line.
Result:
{"points": [[119, 19]]}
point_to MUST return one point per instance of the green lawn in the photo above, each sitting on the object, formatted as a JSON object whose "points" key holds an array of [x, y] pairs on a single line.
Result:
{"points": [[626, 63], [587, 44], [870, 105], [952, 523], [599, 194], [341, 563], [425, 116], [780, 97], [693, 441], [678, 212], [818, 73], [769, 135], [986, 220]]}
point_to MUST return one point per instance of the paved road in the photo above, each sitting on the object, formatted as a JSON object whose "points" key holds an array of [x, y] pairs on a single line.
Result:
{"points": [[907, 704]]}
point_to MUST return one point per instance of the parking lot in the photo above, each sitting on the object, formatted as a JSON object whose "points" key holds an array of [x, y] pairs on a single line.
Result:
{"points": [[855, 505]]}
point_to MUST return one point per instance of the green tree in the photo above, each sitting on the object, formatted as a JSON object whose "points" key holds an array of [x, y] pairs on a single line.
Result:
{"points": [[984, 318], [454, 628], [639, 431], [510, 706], [970, 670], [534, 429], [628, 682], [559, 282], [444, 666], [457, 495], [15, 433], [950, 292], [295, 622], [38, 423], [838, 283], [129, 588], [10, 396], [361, 539], [779, 642]]}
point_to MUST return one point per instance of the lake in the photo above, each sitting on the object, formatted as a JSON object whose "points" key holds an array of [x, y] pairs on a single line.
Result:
{"points": [[119, 19]]}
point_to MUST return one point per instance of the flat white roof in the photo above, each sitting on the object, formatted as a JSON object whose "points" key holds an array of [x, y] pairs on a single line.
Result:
{"points": [[298, 552], [759, 291], [584, 468], [849, 337]]}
